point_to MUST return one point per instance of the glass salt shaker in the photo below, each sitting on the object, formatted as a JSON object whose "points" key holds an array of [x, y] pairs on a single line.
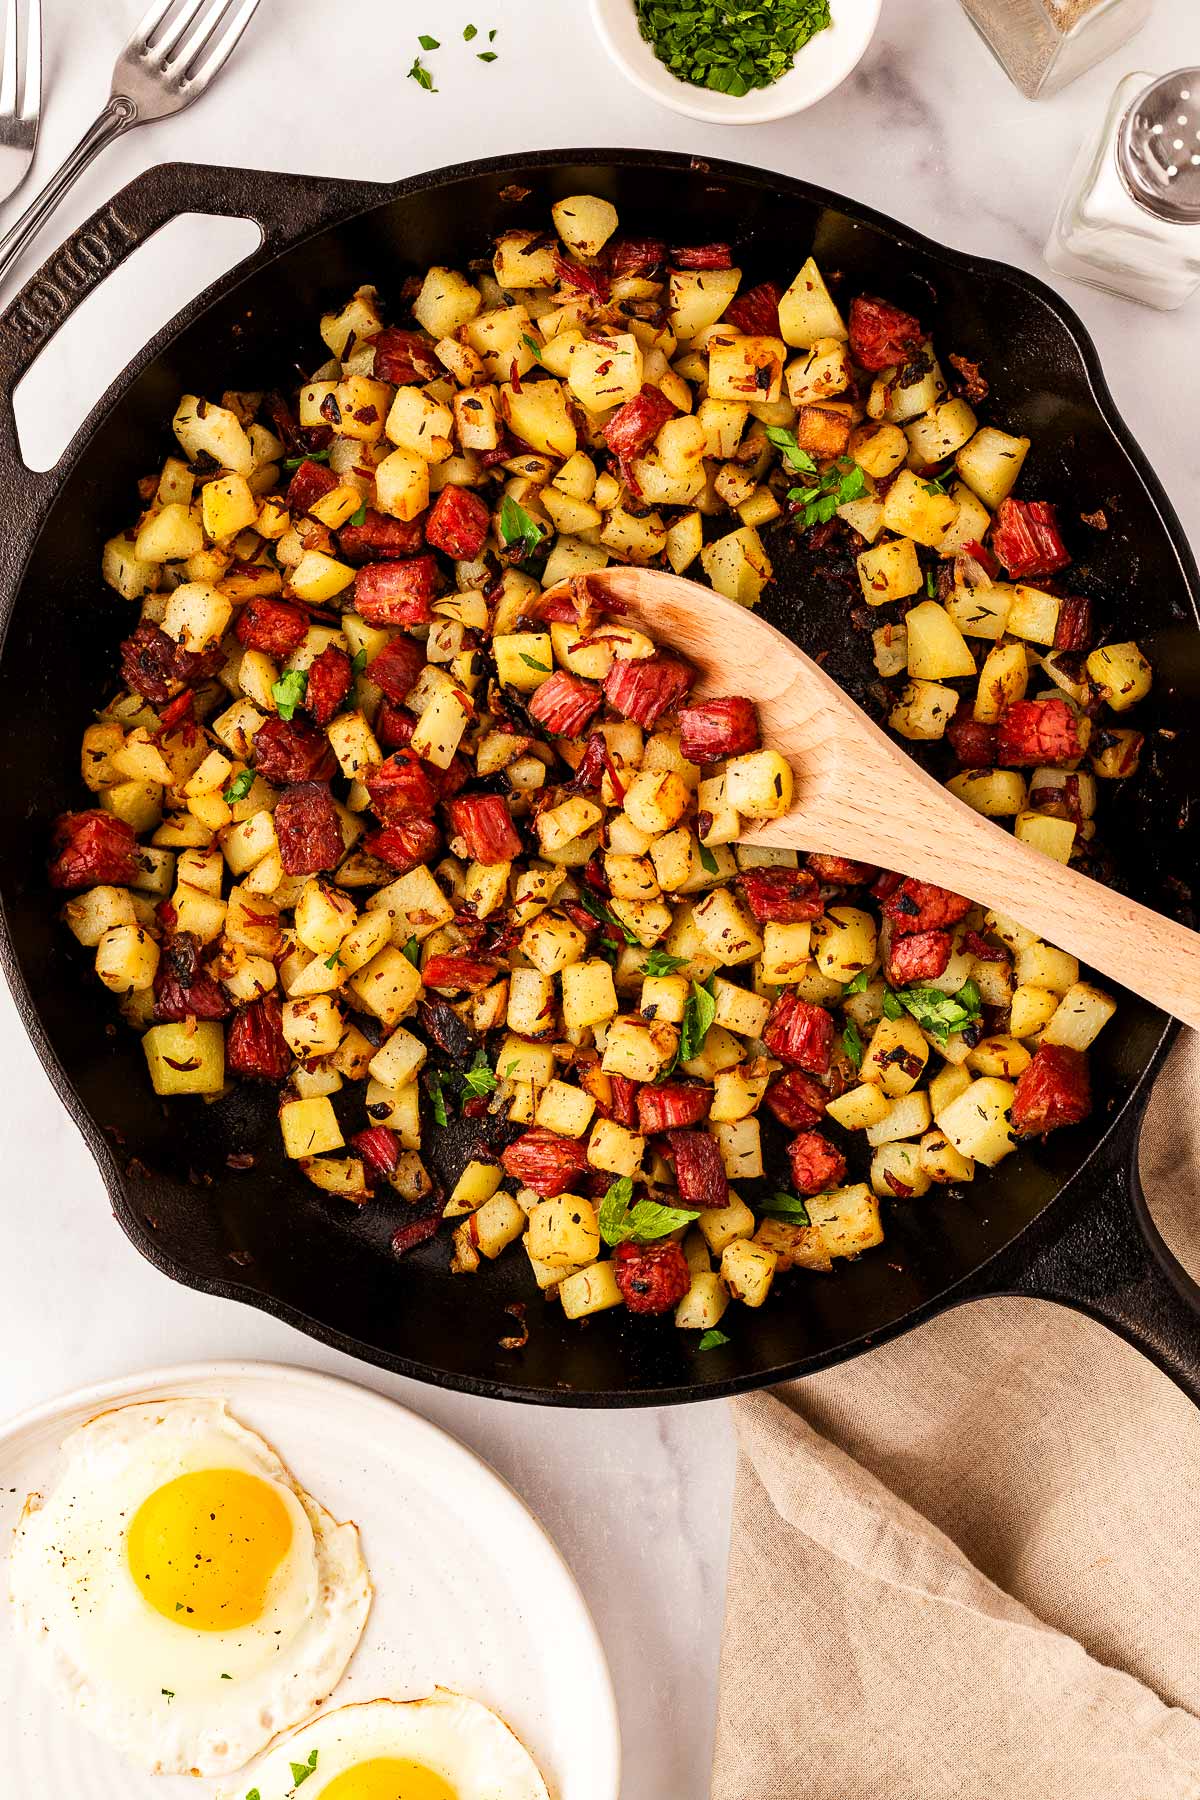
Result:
{"points": [[1130, 221], [1043, 44]]}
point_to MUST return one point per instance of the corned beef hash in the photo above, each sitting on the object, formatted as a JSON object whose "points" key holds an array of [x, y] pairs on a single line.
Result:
{"points": [[388, 814]]}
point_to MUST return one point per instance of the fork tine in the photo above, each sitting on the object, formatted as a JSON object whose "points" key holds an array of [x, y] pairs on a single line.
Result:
{"points": [[150, 23], [166, 49], [8, 76], [220, 42], [31, 97]]}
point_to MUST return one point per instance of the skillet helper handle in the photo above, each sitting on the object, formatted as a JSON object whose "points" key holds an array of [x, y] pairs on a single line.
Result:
{"points": [[286, 208], [1101, 1253]]}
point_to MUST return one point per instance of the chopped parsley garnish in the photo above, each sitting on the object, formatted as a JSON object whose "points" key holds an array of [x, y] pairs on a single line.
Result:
{"points": [[470, 31], [518, 528], [698, 1015], [936, 484], [359, 662], [712, 1340], [302, 1771], [606, 916], [359, 517], [931, 584], [486, 55], [786, 1206], [420, 74], [818, 500], [730, 49], [708, 861], [661, 962], [428, 43], [533, 663], [169, 1692], [793, 456], [531, 344], [937, 1013], [331, 962], [239, 787], [624, 1223], [858, 984], [438, 1098], [852, 1043], [412, 950], [479, 1079], [289, 691], [227, 1678], [293, 462]]}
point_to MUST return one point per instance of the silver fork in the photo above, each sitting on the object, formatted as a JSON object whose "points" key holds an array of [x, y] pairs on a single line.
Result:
{"points": [[20, 93], [173, 57]]}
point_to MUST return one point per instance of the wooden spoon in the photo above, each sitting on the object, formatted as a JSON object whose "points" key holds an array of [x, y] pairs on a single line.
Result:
{"points": [[858, 794]]}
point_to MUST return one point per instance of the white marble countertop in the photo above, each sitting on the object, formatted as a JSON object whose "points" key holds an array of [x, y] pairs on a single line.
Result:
{"points": [[927, 129]]}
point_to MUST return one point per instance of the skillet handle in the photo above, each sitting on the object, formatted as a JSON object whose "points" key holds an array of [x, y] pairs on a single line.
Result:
{"points": [[286, 209], [1101, 1253]]}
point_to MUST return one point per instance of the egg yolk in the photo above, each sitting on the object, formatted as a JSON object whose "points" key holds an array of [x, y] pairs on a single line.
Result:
{"points": [[204, 1547], [387, 1778]]}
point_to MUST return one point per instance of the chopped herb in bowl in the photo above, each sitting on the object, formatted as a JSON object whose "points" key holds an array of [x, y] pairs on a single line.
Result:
{"points": [[730, 48]]}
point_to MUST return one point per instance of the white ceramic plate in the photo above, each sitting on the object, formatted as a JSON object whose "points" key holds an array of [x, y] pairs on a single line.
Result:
{"points": [[469, 1590], [820, 66]]}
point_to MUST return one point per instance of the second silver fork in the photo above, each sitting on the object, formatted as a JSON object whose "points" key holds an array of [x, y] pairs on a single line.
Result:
{"points": [[173, 57]]}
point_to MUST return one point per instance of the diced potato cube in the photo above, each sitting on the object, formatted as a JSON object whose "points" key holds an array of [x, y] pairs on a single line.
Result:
{"points": [[977, 1123], [615, 1149], [889, 571], [996, 793], [101, 909], [736, 1095], [729, 933], [498, 1223], [182, 1060], [896, 1056], [848, 1219], [907, 1117], [807, 313], [785, 954], [1121, 674], [990, 463], [415, 904], [843, 942], [1031, 1009], [924, 710], [999, 1054], [309, 1127], [323, 916], [398, 1059], [388, 985], [205, 429], [941, 1162], [565, 1109], [605, 371], [696, 298], [860, 1107], [737, 565], [588, 994], [552, 942], [196, 615], [477, 1183], [738, 1010], [1053, 837], [912, 511], [447, 301], [173, 533], [950, 1081], [747, 1270], [584, 222], [522, 1060], [126, 959], [722, 1225], [1082, 1013], [402, 485], [758, 785], [745, 368], [937, 650], [740, 1144], [564, 1231], [897, 1172], [589, 1291], [981, 612], [638, 1048]]}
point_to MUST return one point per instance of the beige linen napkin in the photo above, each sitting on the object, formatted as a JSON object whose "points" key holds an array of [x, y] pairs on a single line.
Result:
{"points": [[967, 1565]]}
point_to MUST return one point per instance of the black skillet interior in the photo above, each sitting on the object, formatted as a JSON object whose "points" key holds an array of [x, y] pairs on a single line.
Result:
{"points": [[266, 1237]]}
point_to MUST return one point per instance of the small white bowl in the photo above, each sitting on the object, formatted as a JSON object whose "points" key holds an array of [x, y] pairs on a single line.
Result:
{"points": [[825, 60]]}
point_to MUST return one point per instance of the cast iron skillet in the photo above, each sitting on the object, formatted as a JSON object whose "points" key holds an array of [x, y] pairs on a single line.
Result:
{"points": [[1064, 1220]]}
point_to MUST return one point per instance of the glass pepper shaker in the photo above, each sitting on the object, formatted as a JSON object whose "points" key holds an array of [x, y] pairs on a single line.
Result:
{"points": [[1130, 220], [1043, 44]]}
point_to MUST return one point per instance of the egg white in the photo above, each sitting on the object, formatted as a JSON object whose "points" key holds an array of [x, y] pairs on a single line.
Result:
{"points": [[175, 1699], [463, 1741]]}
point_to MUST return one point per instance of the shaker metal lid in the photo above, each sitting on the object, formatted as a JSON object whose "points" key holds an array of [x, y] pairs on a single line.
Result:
{"points": [[1159, 147]]}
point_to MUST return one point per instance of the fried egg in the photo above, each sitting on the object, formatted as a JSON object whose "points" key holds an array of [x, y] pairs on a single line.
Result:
{"points": [[181, 1591], [445, 1747]]}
